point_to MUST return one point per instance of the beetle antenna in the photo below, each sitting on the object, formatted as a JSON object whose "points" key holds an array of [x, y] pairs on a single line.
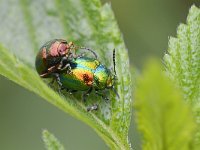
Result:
{"points": [[85, 48], [115, 91], [114, 64]]}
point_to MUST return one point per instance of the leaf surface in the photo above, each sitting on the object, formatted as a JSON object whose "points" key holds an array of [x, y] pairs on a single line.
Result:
{"points": [[26, 25], [183, 62], [51, 142], [164, 119]]}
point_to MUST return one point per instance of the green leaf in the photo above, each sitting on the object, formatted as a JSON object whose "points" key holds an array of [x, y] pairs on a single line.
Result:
{"points": [[51, 142], [164, 119], [183, 62], [85, 22]]}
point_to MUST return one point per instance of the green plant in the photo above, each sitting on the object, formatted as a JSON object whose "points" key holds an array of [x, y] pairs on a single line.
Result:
{"points": [[183, 63], [87, 22], [163, 118], [50, 141], [80, 28]]}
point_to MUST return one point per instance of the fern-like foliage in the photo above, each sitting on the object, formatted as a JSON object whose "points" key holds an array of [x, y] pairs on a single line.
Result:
{"points": [[183, 62], [85, 22], [51, 141], [163, 118]]}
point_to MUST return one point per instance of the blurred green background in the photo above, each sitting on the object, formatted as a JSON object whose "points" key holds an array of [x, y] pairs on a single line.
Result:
{"points": [[145, 25]]}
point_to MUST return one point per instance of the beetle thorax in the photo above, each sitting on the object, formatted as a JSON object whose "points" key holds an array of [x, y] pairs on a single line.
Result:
{"points": [[59, 49]]}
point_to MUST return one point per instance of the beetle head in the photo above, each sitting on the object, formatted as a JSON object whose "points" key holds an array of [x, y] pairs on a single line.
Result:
{"points": [[63, 48]]}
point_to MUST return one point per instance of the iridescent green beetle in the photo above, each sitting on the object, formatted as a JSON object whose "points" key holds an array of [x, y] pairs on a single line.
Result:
{"points": [[87, 74], [54, 55]]}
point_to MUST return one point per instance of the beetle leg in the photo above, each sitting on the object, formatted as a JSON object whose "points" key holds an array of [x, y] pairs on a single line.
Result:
{"points": [[57, 78], [68, 68], [102, 95], [71, 91], [49, 71], [64, 65], [93, 107], [62, 62], [86, 94], [44, 75], [115, 91], [71, 56]]}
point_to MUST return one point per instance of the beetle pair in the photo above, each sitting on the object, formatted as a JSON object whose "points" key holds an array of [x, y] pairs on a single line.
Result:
{"points": [[53, 55], [57, 59]]}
